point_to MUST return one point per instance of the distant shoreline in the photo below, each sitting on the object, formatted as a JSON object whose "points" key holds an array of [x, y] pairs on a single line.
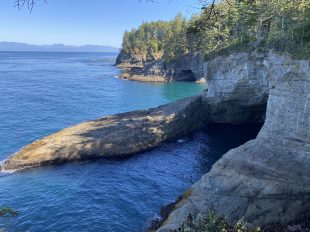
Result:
{"points": [[59, 52], [24, 47]]}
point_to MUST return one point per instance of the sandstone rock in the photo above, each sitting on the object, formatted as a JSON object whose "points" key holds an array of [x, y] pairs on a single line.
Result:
{"points": [[237, 87], [190, 64], [143, 78], [188, 68], [201, 81], [266, 180], [113, 136], [125, 60]]}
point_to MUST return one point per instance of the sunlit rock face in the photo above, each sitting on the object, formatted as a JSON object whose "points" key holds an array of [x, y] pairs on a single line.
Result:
{"points": [[113, 136], [125, 60], [188, 68], [237, 87], [266, 180]]}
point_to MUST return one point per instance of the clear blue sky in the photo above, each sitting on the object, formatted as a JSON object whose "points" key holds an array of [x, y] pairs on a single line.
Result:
{"points": [[79, 22]]}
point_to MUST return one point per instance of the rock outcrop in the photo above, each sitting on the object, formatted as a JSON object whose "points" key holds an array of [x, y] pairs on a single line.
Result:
{"points": [[266, 180], [125, 60], [114, 136], [188, 68], [237, 87]]}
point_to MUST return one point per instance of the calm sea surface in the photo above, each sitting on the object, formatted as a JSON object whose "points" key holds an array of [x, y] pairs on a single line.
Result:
{"points": [[41, 93]]}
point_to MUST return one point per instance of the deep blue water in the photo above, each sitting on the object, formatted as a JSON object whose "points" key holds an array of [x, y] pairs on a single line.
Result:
{"points": [[41, 93]]}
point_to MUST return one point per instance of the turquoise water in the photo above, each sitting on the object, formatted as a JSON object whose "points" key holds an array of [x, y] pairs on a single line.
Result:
{"points": [[41, 93]]}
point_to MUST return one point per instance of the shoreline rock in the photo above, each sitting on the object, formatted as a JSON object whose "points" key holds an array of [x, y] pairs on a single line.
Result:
{"points": [[267, 180], [142, 78], [113, 136], [188, 68]]}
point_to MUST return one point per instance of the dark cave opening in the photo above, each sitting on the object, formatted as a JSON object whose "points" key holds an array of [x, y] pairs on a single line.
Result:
{"points": [[186, 75]]}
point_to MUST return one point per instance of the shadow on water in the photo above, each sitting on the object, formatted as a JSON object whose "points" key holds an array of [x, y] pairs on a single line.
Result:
{"points": [[211, 144], [221, 138], [115, 195]]}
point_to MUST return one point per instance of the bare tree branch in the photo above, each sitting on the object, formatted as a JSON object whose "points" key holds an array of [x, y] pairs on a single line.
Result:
{"points": [[29, 3]]}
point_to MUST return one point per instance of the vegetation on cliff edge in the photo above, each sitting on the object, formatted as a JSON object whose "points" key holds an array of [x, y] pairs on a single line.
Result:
{"points": [[234, 25], [210, 222]]}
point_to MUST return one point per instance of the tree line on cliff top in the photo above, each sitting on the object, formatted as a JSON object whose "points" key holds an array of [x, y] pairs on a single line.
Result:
{"points": [[230, 25]]}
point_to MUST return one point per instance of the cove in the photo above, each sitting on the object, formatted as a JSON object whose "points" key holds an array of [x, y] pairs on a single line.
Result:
{"points": [[45, 92]]}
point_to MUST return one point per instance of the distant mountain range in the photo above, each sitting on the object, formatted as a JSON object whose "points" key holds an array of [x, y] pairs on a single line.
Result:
{"points": [[23, 47]]}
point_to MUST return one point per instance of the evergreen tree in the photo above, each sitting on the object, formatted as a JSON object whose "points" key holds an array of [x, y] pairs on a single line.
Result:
{"points": [[283, 25]]}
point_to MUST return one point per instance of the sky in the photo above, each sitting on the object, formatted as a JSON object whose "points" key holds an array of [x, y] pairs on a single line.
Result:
{"points": [[81, 22]]}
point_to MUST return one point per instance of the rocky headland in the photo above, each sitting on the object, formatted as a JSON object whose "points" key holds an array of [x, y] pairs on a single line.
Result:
{"points": [[266, 180], [113, 136], [154, 69]]}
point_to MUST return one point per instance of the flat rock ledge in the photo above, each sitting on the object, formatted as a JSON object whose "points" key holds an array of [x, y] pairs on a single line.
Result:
{"points": [[113, 136], [142, 78]]}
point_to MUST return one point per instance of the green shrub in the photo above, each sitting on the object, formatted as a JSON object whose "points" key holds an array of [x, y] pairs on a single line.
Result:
{"points": [[210, 222]]}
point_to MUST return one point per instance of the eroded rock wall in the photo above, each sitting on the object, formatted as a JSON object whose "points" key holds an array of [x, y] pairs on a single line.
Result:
{"points": [[188, 68], [237, 87], [266, 180]]}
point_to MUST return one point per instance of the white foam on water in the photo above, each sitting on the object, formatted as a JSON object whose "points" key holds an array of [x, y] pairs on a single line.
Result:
{"points": [[6, 171]]}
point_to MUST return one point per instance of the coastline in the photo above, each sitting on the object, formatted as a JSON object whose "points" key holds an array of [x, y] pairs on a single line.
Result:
{"points": [[235, 96], [129, 73]]}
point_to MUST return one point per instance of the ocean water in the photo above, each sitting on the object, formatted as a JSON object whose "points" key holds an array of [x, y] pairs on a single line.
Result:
{"points": [[41, 93]]}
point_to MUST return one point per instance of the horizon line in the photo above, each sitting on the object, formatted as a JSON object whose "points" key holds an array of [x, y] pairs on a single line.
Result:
{"points": [[33, 44]]}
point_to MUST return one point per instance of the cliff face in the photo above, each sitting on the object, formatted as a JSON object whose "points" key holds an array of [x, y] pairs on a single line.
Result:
{"points": [[125, 60], [266, 180], [237, 87], [188, 68], [132, 60]]}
